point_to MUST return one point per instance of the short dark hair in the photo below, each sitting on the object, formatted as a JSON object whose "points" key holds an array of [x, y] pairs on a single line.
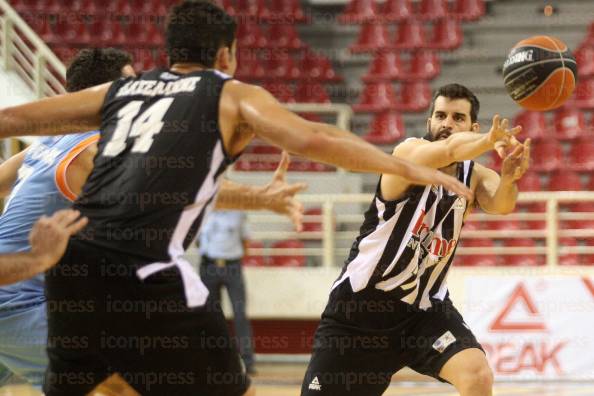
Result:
{"points": [[457, 91], [94, 66], [196, 30]]}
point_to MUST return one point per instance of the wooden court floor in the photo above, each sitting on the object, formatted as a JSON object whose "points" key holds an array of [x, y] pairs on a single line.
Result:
{"points": [[285, 380]]}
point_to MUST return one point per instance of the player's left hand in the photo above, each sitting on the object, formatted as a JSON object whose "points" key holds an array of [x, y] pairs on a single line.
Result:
{"points": [[516, 163], [281, 195]]}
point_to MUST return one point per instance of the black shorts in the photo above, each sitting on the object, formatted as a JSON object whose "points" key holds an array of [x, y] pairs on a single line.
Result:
{"points": [[102, 319], [350, 360]]}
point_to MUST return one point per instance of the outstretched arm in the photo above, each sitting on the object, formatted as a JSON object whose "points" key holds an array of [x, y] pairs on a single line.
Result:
{"points": [[277, 196], [48, 238], [324, 143], [63, 114], [498, 195]]}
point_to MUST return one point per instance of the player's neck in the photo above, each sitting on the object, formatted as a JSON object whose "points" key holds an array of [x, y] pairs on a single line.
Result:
{"points": [[185, 68]]}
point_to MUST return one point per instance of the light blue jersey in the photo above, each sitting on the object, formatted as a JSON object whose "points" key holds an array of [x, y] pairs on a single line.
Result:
{"points": [[41, 189]]}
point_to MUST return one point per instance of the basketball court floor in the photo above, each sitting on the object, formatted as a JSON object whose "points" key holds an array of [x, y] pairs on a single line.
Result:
{"points": [[285, 380]]}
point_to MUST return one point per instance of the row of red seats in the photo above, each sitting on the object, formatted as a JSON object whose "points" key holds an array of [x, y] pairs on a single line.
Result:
{"points": [[280, 65], [549, 155], [410, 35], [380, 96], [522, 260], [93, 7], [583, 97], [568, 123], [275, 261], [358, 11], [266, 10], [281, 36], [584, 56]]}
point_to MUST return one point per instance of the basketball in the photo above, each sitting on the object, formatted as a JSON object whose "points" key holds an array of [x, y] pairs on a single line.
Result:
{"points": [[540, 73]]}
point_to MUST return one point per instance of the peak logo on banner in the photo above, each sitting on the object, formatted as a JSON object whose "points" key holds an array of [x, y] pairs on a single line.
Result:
{"points": [[519, 313]]}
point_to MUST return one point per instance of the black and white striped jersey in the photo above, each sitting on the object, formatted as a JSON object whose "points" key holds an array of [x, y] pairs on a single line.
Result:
{"points": [[406, 246]]}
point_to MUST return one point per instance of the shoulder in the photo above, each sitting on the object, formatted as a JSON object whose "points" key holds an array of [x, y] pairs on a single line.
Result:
{"points": [[409, 143]]}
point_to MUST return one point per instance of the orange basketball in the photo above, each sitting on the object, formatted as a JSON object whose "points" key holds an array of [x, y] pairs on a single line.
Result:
{"points": [[540, 73]]}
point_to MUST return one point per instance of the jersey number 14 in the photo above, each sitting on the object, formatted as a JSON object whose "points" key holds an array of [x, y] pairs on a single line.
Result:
{"points": [[144, 128]]}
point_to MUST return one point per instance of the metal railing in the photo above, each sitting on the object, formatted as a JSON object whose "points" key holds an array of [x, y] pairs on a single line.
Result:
{"points": [[329, 235]]}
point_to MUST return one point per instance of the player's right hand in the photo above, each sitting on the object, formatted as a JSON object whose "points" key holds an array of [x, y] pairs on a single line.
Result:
{"points": [[502, 137], [49, 236], [424, 175]]}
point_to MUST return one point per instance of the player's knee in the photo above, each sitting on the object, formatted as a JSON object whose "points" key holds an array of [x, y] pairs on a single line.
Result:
{"points": [[477, 381], [250, 392]]}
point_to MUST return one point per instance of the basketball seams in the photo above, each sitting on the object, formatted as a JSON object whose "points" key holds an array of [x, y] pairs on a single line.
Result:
{"points": [[540, 62], [562, 67], [528, 43]]}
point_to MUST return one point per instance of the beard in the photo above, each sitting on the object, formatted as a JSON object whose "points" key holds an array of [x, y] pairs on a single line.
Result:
{"points": [[441, 134]]}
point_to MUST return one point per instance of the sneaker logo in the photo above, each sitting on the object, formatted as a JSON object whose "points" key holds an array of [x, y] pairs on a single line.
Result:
{"points": [[315, 385], [444, 341]]}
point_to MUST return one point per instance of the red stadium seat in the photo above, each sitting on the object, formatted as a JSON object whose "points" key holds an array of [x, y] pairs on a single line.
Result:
{"points": [[569, 123], [376, 96], [468, 10], [249, 35], [424, 65], [284, 36], [281, 91], [564, 180], [503, 225], [386, 128], [581, 155], [313, 225], [359, 11], [397, 10], [533, 125], [410, 35], [143, 59], [447, 34], [547, 156], [108, 33], [568, 258], [317, 67], [531, 181], [580, 207], [249, 68], [311, 92], [477, 260], [281, 67], [251, 8], [288, 261], [254, 261], [522, 260], [65, 53], [372, 37], [386, 66], [287, 9], [584, 94], [119, 8], [433, 9], [584, 57], [416, 96]]}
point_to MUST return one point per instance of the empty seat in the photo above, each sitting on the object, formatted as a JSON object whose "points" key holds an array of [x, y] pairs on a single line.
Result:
{"points": [[397, 10], [416, 96], [433, 9], [119, 8], [447, 34], [410, 35], [372, 37], [468, 10], [568, 258], [284, 36], [564, 180], [580, 207], [385, 66], [250, 8], [581, 155], [503, 225], [376, 96], [547, 156], [287, 9], [317, 67], [311, 92], [249, 35], [249, 68], [359, 11], [281, 67], [533, 125], [386, 128], [477, 260], [314, 225], [295, 260], [250, 260], [281, 91], [108, 33], [531, 181], [569, 123], [424, 65], [584, 57], [522, 260], [584, 94]]}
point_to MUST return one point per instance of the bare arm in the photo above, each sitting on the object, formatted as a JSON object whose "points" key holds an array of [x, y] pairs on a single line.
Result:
{"points": [[324, 143], [48, 238], [9, 171], [498, 195], [63, 114]]}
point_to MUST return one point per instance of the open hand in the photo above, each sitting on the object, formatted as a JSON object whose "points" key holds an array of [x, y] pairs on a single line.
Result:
{"points": [[502, 137]]}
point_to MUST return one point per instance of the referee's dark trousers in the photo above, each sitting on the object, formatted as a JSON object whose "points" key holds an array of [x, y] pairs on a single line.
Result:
{"points": [[219, 273]]}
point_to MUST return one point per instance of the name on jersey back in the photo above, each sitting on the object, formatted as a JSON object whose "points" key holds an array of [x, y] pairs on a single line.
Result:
{"points": [[158, 88]]}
